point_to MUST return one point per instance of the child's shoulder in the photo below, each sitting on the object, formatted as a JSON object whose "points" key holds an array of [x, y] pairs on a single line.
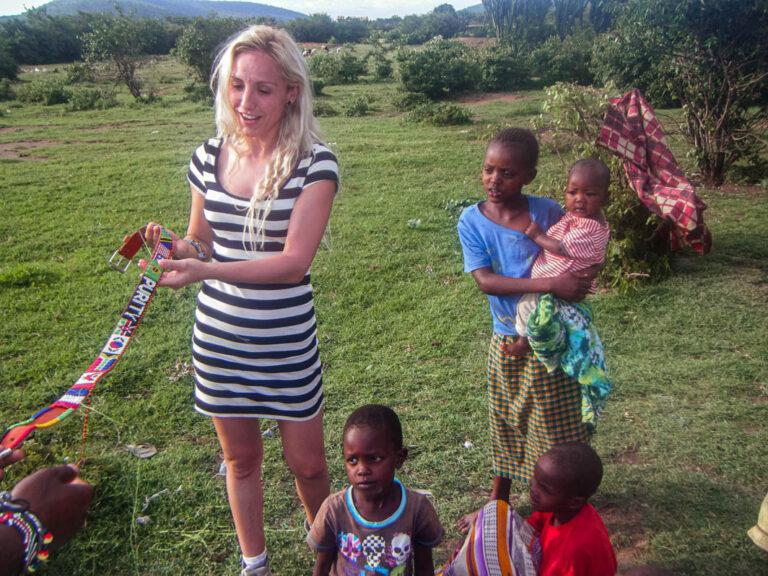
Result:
{"points": [[542, 203]]}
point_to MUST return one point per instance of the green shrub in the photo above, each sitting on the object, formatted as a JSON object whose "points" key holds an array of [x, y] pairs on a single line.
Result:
{"points": [[572, 116], [442, 69], [380, 66], [439, 114], [500, 69], [79, 72], [6, 90], [337, 67], [317, 86], [194, 92], [91, 99], [46, 92], [356, 105], [323, 108], [566, 60], [404, 101]]}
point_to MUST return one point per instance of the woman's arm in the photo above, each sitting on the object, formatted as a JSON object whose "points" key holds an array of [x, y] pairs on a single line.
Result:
{"points": [[306, 227], [324, 562], [571, 286], [423, 565]]}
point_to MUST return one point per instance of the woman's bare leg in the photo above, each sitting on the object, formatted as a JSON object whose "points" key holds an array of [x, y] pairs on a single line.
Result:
{"points": [[304, 451], [240, 439]]}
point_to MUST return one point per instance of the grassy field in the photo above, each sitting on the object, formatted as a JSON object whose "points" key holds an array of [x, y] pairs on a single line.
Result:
{"points": [[684, 438]]}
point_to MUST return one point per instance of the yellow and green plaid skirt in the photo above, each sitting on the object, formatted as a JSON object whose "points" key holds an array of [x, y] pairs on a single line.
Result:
{"points": [[530, 410]]}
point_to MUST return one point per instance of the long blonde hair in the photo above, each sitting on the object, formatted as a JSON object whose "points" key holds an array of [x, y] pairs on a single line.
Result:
{"points": [[299, 129]]}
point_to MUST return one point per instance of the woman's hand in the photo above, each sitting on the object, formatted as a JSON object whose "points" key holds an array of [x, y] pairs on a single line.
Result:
{"points": [[59, 497], [152, 235], [180, 273], [572, 286]]}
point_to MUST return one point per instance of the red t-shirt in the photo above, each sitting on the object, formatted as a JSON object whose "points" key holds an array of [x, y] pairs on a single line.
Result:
{"points": [[580, 547]]}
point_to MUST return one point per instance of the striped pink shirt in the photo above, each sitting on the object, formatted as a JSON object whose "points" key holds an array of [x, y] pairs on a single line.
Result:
{"points": [[585, 241]]}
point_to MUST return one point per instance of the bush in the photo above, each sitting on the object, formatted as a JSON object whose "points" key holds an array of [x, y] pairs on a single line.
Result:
{"points": [[317, 86], [572, 116], [404, 101], [91, 99], [6, 90], [357, 105], [337, 67], [500, 69], [323, 108], [194, 92], [380, 66], [439, 114], [566, 60], [46, 92], [441, 70], [79, 72]]}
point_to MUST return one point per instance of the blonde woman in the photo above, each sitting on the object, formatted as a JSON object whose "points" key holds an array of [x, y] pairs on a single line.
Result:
{"points": [[262, 192]]}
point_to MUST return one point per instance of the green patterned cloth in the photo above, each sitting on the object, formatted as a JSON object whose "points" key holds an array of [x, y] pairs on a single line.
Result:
{"points": [[562, 335]]}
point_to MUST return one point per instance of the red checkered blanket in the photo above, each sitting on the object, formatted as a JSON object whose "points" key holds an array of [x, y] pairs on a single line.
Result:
{"points": [[632, 132]]}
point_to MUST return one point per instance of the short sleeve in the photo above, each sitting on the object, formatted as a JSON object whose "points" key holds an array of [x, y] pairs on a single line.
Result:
{"points": [[324, 166], [322, 534], [427, 531], [472, 246], [587, 242], [197, 167]]}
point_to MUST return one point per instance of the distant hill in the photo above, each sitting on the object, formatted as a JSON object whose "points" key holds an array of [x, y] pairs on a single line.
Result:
{"points": [[164, 8]]}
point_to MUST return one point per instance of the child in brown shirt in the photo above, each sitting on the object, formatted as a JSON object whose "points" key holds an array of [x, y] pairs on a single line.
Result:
{"points": [[375, 526]]}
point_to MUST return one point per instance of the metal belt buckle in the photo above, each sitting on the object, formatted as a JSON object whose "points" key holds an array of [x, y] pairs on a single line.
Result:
{"points": [[118, 262], [121, 258]]}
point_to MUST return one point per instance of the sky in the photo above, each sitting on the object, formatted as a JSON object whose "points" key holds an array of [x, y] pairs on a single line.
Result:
{"points": [[334, 8]]}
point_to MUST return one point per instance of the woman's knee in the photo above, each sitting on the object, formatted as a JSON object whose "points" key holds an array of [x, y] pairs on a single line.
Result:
{"points": [[309, 469], [243, 462]]}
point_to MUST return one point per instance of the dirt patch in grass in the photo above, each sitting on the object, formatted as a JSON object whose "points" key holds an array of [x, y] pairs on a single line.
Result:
{"points": [[20, 150], [476, 42], [625, 525], [489, 97], [629, 456], [9, 129]]}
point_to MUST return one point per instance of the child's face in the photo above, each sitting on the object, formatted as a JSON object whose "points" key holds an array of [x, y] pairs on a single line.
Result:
{"points": [[370, 460], [505, 172], [547, 489], [584, 194]]}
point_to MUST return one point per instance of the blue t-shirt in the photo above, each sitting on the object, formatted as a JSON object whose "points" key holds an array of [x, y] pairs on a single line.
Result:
{"points": [[505, 251]]}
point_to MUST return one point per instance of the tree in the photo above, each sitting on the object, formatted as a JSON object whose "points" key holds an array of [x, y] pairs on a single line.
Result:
{"points": [[121, 39], [198, 43], [520, 23], [711, 56], [9, 68], [314, 28]]}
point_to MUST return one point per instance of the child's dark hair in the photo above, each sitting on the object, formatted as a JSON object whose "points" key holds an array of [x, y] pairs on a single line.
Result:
{"points": [[380, 417], [579, 467], [522, 139], [596, 168]]}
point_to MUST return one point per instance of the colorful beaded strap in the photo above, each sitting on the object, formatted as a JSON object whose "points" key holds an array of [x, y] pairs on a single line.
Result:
{"points": [[115, 347]]}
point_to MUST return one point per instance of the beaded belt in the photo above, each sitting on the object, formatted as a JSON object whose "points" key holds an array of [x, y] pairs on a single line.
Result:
{"points": [[114, 348]]}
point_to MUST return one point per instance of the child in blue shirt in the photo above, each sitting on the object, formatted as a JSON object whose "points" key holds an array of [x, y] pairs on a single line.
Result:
{"points": [[530, 409]]}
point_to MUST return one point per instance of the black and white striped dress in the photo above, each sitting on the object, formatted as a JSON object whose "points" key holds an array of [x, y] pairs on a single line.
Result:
{"points": [[254, 346]]}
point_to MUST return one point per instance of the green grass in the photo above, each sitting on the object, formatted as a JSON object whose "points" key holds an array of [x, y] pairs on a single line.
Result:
{"points": [[684, 438]]}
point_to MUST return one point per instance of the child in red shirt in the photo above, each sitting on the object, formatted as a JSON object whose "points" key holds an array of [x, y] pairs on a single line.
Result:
{"points": [[574, 541]]}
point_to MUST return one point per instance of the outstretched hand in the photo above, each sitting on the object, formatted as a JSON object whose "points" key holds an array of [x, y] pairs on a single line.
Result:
{"points": [[59, 497], [11, 458], [178, 273]]}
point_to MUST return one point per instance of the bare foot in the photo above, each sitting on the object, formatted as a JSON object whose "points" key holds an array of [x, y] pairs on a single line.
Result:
{"points": [[465, 522], [519, 347]]}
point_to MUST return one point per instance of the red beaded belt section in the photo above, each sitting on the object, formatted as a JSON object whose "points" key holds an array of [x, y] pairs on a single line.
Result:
{"points": [[118, 341]]}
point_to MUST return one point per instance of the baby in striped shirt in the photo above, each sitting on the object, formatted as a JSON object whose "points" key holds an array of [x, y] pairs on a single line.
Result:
{"points": [[576, 242]]}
